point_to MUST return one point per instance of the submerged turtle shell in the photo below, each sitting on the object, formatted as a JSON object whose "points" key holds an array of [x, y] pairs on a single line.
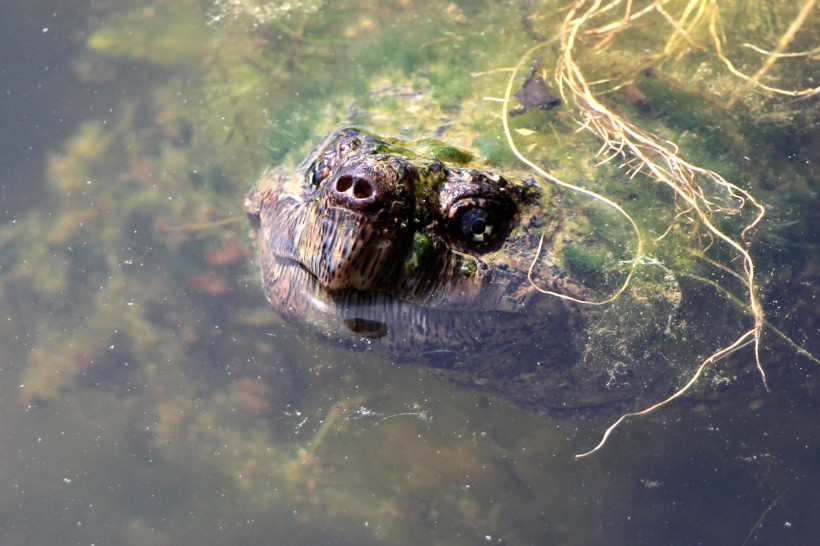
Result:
{"points": [[411, 250]]}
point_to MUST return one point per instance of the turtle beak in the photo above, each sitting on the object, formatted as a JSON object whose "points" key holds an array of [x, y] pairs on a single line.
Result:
{"points": [[343, 249], [351, 232]]}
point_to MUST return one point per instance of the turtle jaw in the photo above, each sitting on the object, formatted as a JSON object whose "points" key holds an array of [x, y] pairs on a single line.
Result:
{"points": [[342, 248], [345, 250]]}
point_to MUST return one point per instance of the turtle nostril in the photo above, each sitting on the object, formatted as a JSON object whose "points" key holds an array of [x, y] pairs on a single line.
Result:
{"points": [[343, 183], [362, 188], [358, 187]]}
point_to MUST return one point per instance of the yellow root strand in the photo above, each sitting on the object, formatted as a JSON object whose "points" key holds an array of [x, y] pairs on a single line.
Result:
{"points": [[665, 165], [783, 43], [555, 180], [812, 53], [692, 186], [741, 342]]}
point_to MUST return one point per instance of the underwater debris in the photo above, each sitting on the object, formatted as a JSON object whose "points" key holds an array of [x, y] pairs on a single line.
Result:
{"points": [[534, 94]]}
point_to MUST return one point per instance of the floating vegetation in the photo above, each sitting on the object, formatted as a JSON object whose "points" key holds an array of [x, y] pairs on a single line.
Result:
{"points": [[705, 202]]}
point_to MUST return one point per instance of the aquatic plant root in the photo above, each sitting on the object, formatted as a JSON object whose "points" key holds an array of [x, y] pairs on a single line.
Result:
{"points": [[696, 189]]}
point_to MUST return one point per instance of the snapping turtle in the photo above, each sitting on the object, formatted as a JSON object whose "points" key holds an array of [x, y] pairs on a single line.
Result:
{"points": [[416, 251]]}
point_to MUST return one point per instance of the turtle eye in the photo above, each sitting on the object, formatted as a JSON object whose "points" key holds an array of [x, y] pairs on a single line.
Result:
{"points": [[318, 172], [478, 223], [477, 226]]}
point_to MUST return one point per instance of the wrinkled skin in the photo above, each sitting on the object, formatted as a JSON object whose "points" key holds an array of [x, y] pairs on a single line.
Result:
{"points": [[409, 250]]}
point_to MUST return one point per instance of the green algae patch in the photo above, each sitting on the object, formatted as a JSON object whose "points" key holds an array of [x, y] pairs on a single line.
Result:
{"points": [[468, 267], [444, 152], [589, 265], [421, 255], [494, 150]]}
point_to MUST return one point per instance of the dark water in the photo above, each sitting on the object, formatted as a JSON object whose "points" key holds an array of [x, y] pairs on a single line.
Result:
{"points": [[148, 394]]}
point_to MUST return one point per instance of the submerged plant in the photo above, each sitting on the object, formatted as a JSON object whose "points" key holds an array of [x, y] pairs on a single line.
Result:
{"points": [[705, 200]]}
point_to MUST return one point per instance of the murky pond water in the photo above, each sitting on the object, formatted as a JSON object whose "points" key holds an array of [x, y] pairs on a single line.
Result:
{"points": [[151, 396]]}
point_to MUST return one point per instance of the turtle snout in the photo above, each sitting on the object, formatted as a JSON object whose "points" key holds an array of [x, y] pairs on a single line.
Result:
{"points": [[370, 184], [359, 191]]}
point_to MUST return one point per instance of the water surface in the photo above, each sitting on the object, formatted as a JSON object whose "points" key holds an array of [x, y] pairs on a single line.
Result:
{"points": [[151, 397]]}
